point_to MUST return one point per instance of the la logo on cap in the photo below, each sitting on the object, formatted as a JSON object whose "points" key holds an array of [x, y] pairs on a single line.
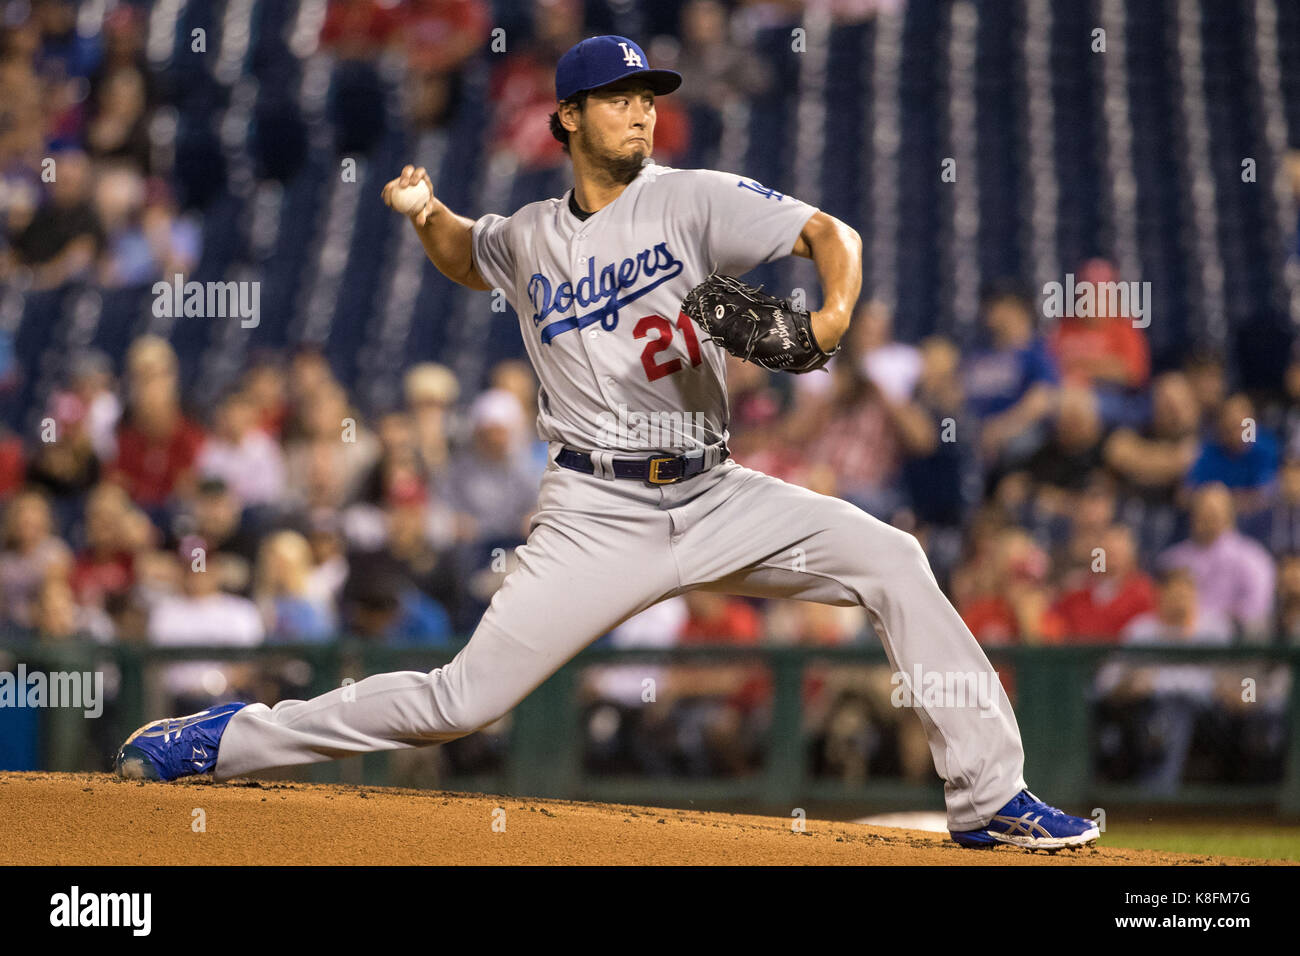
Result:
{"points": [[630, 56]]}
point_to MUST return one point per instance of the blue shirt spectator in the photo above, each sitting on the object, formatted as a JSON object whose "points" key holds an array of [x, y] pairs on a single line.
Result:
{"points": [[998, 378], [1240, 454]]}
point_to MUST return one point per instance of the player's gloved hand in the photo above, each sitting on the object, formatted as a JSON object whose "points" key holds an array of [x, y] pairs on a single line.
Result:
{"points": [[409, 177], [754, 326]]}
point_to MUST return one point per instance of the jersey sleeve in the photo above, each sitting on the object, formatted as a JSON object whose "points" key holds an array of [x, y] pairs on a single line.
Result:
{"points": [[493, 256], [745, 223]]}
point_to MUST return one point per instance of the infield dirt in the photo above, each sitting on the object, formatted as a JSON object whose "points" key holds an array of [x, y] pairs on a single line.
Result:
{"points": [[89, 819]]}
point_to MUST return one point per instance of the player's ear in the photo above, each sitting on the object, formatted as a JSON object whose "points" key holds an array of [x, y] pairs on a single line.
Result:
{"points": [[569, 116]]}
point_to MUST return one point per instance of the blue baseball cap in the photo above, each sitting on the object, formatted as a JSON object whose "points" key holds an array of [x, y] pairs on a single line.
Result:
{"points": [[598, 61]]}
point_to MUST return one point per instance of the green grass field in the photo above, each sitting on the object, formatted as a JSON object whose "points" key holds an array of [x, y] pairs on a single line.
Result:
{"points": [[1260, 840]]}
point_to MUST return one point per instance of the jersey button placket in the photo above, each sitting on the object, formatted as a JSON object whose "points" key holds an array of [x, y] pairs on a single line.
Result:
{"points": [[594, 332]]}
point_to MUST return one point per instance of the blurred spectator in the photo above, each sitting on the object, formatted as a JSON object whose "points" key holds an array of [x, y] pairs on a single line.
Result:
{"points": [[65, 465], [65, 50], [123, 38], [358, 33], [360, 29], [1207, 375], [57, 616], [309, 374], [940, 476], [329, 568], [1090, 519], [491, 481], [91, 385], [118, 127], [145, 238], [440, 36], [523, 87], [1172, 696], [717, 67], [1066, 461], [714, 706], [203, 615], [64, 235], [1010, 385], [720, 70], [1155, 460], [31, 553], [894, 366], [22, 142], [1241, 455], [335, 445], [238, 452], [1234, 575], [156, 443], [67, 57], [1277, 525], [627, 729], [428, 568], [379, 603], [398, 460], [1014, 605], [400, 472], [860, 433], [264, 385], [290, 610], [1116, 593], [761, 436], [431, 391], [104, 569], [516, 377], [1103, 352], [13, 464], [214, 516], [1287, 627]]}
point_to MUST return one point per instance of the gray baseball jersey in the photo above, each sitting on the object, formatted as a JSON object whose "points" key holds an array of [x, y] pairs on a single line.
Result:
{"points": [[599, 301]]}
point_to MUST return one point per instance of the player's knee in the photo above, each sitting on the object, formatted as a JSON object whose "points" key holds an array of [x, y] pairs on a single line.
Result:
{"points": [[458, 708], [904, 556]]}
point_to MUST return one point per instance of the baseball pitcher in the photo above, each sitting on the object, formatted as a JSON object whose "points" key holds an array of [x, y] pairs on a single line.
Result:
{"points": [[628, 303]]}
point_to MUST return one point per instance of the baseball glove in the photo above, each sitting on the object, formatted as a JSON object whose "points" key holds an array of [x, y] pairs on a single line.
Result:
{"points": [[754, 326]]}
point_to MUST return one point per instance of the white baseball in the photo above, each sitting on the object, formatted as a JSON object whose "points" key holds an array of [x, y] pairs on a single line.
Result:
{"points": [[409, 200]]}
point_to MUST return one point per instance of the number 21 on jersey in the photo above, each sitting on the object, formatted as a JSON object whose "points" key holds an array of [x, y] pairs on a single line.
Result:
{"points": [[663, 337]]}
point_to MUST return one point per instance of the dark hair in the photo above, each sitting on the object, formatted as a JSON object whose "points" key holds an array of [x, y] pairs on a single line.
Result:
{"points": [[998, 291], [557, 128]]}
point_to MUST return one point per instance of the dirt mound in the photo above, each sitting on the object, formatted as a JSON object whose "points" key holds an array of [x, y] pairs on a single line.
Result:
{"points": [[86, 819]]}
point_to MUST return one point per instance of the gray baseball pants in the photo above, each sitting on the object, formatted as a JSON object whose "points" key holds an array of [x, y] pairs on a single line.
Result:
{"points": [[600, 550]]}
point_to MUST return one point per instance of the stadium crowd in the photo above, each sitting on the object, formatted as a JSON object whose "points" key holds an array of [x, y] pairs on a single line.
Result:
{"points": [[1064, 489]]}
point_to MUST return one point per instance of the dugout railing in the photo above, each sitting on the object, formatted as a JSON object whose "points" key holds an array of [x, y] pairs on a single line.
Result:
{"points": [[544, 752]]}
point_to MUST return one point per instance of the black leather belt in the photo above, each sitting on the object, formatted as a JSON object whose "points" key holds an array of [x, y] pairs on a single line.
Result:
{"points": [[660, 470]]}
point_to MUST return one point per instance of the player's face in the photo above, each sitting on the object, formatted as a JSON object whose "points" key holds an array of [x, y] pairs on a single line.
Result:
{"points": [[618, 127]]}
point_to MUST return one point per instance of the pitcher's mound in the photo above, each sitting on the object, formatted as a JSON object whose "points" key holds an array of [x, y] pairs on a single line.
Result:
{"points": [[90, 819]]}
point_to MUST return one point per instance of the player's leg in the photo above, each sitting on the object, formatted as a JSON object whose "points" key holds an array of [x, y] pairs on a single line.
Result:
{"points": [[753, 534], [579, 575]]}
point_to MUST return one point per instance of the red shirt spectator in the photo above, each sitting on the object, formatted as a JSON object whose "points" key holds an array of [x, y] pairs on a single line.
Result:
{"points": [[1103, 348], [12, 465], [95, 578], [358, 29], [150, 468], [1103, 609], [992, 619], [440, 35], [733, 621], [1080, 346], [721, 619]]}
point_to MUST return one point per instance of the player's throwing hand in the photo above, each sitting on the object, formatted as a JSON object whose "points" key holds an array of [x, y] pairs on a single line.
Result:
{"points": [[393, 194]]}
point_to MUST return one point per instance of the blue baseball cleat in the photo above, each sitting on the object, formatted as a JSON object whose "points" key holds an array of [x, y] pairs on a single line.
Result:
{"points": [[175, 746], [1028, 822]]}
